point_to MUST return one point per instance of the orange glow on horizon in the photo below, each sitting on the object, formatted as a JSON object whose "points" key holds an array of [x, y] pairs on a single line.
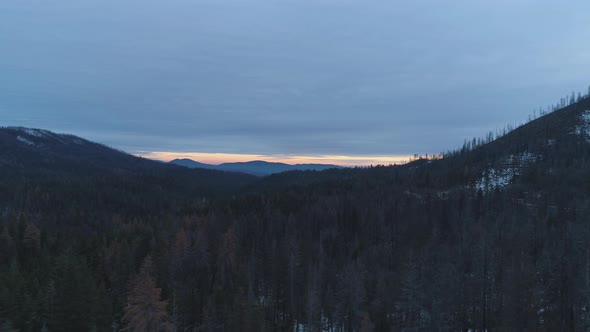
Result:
{"points": [[219, 158]]}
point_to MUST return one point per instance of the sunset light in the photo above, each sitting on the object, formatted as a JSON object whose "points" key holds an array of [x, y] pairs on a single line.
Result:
{"points": [[219, 158]]}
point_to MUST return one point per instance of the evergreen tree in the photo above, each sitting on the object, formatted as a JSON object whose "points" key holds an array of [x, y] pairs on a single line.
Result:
{"points": [[145, 311], [71, 301]]}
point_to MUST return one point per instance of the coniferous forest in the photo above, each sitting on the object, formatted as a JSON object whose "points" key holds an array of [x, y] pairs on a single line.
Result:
{"points": [[494, 236]]}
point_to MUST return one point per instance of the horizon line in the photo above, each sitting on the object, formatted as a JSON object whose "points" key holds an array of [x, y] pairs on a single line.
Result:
{"points": [[220, 158]]}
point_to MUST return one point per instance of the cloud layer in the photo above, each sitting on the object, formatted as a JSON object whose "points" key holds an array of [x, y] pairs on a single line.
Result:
{"points": [[269, 77]]}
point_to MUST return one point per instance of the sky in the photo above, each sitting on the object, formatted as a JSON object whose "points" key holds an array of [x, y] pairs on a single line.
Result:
{"points": [[351, 82]]}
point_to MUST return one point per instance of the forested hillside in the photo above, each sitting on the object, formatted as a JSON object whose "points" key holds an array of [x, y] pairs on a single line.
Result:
{"points": [[494, 236]]}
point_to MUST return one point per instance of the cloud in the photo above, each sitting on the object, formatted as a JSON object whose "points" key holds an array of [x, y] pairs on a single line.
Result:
{"points": [[347, 78]]}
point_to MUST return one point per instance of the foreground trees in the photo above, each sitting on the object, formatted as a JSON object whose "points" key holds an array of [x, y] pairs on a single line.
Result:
{"points": [[145, 310], [336, 262]]}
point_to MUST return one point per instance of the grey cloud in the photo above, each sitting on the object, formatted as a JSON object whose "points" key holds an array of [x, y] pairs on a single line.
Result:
{"points": [[291, 77]]}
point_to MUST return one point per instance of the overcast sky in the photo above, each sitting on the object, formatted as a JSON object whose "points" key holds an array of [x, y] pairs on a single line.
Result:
{"points": [[272, 78]]}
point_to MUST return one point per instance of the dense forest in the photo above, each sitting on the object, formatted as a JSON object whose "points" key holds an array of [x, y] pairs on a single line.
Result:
{"points": [[493, 236]]}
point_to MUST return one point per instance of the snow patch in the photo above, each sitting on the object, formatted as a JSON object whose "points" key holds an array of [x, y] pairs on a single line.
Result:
{"points": [[299, 327], [494, 178], [35, 132], [504, 172], [24, 140], [324, 323], [521, 160], [583, 128]]}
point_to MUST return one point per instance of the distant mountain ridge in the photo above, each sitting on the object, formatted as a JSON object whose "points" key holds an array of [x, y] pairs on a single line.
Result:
{"points": [[255, 167]]}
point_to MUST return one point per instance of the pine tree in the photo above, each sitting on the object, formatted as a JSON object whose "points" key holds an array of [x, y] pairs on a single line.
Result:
{"points": [[351, 297], [70, 300], [145, 310], [312, 303], [32, 238], [7, 247], [412, 298]]}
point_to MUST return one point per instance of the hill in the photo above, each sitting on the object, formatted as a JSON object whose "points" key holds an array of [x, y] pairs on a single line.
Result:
{"points": [[553, 146], [73, 169], [256, 167]]}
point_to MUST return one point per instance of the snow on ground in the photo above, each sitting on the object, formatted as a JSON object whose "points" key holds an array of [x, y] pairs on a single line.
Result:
{"points": [[494, 178], [324, 322], [503, 173], [299, 327], [40, 133], [35, 132], [583, 127], [24, 140], [521, 159]]}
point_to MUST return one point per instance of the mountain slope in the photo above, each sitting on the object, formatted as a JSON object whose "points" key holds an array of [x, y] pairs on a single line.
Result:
{"points": [[76, 169], [549, 151], [191, 164], [554, 145], [256, 167]]}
